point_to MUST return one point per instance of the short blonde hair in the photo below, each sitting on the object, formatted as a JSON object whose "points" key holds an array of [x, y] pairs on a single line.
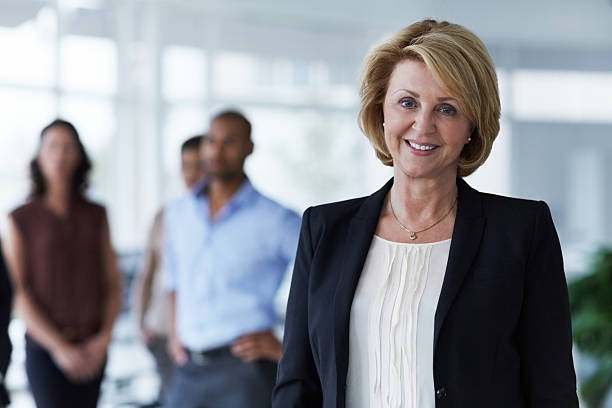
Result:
{"points": [[460, 63]]}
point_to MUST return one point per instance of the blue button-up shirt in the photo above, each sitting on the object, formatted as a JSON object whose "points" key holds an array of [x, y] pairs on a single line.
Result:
{"points": [[226, 271]]}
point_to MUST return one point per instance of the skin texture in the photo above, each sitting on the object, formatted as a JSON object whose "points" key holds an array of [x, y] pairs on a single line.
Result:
{"points": [[416, 108], [58, 158], [224, 152]]}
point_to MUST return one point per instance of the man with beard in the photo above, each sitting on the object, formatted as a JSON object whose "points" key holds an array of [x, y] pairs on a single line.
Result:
{"points": [[226, 250]]}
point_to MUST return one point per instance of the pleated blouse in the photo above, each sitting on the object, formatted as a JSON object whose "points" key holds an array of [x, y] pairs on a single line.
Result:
{"points": [[392, 325]]}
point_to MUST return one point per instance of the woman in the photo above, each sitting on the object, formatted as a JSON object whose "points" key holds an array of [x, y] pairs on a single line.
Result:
{"points": [[65, 274], [428, 293]]}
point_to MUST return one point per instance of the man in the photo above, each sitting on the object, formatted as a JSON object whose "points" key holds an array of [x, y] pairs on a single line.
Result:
{"points": [[151, 303], [227, 248]]}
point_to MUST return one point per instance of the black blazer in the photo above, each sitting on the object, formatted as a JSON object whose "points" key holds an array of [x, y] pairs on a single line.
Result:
{"points": [[502, 334]]}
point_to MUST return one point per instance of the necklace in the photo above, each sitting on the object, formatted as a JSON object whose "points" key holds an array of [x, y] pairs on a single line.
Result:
{"points": [[413, 234]]}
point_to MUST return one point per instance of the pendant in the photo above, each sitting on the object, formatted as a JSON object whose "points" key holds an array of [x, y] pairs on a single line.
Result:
{"points": [[413, 236]]}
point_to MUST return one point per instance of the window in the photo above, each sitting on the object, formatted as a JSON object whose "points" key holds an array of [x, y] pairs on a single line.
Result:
{"points": [[88, 64], [28, 52], [183, 74], [19, 130], [94, 119], [562, 96], [303, 157], [251, 78], [181, 123]]}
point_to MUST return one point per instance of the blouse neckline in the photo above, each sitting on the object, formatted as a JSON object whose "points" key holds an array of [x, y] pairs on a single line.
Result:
{"points": [[410, 244]]}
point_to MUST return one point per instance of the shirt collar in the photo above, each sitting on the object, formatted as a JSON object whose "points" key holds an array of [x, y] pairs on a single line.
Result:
{"points": [[199, 188], [246, 192]]}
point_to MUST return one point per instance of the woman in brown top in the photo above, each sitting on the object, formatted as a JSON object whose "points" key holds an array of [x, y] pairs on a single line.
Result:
{"points": [[65, 274]]}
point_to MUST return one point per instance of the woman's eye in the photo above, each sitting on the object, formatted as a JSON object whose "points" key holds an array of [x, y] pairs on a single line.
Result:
{"points": [[447, 110], [407, 103]]}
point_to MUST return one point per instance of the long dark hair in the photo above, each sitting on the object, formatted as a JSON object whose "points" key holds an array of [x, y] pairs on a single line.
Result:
{"points": [[80, 178]]}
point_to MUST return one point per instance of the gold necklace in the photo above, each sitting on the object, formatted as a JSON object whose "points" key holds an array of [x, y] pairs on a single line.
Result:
{"points": [[413, 234]]}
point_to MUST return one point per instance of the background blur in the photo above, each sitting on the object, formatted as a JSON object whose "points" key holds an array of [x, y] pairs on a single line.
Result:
{"points": [[138, 77]]}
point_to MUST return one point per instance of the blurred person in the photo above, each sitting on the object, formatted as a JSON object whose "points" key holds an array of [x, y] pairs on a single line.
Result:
{"points": [[6, 306], [151, 302], [65, 274], [227, 248], [428, 293]]}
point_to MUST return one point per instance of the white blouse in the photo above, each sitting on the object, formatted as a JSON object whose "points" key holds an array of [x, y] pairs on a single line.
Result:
{"points": [[392, 325]]}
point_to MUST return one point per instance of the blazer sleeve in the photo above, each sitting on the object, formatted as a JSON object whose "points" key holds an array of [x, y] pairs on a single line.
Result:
{"points": [[298, 384], [545, 336]]}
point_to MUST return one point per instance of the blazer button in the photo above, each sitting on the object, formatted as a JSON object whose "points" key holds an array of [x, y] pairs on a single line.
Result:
{"points": [[441, 393]]}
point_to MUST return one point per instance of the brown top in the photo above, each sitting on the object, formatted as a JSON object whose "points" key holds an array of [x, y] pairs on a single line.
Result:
{"points": [[64, 264]]}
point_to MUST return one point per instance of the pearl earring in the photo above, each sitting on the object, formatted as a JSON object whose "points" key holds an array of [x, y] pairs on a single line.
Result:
{"points": [[469, 139], [383, 124]]}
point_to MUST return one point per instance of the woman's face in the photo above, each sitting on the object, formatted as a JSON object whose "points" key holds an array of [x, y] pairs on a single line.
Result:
{"points": [[424, 129], [59, 155]]}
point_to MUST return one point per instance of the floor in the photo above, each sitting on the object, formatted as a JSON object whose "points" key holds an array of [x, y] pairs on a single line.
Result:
{"points": [[130, 379]]}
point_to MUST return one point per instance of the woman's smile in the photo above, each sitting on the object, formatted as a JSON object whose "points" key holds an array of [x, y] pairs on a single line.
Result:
{"points": [[421, 149]]}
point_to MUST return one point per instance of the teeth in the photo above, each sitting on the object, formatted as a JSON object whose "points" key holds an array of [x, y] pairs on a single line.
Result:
{"points": [[420, 147]]}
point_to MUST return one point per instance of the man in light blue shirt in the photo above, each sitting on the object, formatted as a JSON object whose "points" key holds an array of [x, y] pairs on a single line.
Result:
{"points": [[226, 250]]}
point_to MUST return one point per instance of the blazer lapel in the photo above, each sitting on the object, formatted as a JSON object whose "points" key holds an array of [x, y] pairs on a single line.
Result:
{"points": [[359, 235], [467, 234]]}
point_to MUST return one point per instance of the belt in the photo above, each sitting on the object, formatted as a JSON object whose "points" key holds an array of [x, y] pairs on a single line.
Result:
{"points": [[204, 357]]}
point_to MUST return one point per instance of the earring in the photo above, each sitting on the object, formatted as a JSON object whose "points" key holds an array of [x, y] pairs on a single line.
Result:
{"points": [[469, 139], [383, 124]]}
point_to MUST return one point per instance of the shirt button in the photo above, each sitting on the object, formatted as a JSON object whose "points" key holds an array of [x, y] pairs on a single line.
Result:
{"points": [[441, 393]]}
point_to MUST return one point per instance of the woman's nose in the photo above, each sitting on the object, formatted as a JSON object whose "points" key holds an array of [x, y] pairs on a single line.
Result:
{"points": [[424, 122]]}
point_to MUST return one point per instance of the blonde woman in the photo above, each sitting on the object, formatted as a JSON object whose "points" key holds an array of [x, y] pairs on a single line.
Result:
{"points": [[428, 293]]}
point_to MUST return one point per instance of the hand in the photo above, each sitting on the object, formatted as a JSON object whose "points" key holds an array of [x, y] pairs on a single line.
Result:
{"points": [[95, 351], [72, 360], [176, 351], [146, 336], [257, 345]]}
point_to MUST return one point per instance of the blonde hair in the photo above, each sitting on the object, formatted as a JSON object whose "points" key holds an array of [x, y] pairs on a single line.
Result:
{"points": [[460, 63]]}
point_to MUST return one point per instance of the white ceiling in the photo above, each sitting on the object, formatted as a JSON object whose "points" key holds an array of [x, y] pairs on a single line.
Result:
{"points": [[524, 22], [563, 33]]}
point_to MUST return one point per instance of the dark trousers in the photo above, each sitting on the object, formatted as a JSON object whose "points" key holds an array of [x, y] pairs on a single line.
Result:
{"points": [[51, 388], [163, 364], [223, 382]]}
